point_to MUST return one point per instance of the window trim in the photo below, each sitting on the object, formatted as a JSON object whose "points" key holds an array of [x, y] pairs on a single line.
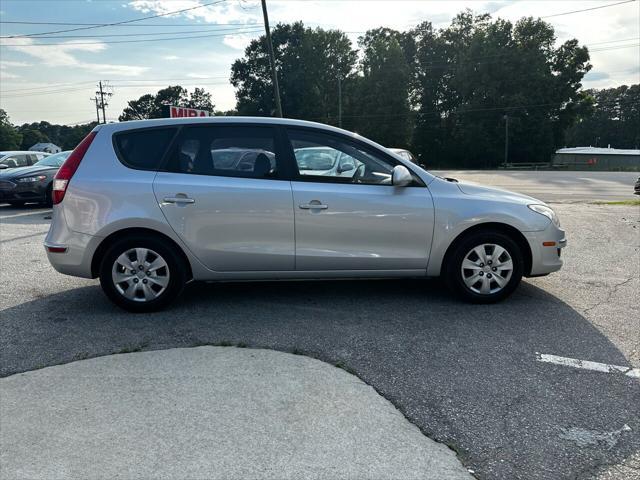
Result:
{"points": [[297, 177], [120, 156], [282, 165]]}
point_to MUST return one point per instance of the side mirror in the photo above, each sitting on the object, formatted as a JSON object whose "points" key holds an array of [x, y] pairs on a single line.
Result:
{"points": [[401, 176]]}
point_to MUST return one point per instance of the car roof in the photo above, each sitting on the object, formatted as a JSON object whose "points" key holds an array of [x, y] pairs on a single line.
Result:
{"points": [[13, 152], [111, 128], [222, 120], [230, 120]]}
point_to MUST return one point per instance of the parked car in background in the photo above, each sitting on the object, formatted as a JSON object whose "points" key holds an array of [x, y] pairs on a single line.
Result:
{"points": [[31, 184], [407, 155], [636, 189], [13, 159], [130, 210]]}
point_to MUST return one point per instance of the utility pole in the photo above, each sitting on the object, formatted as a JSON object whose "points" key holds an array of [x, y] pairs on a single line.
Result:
{"points": [[506, 138], [339, 100], [95, 99], [272, 59], [101, 102]]}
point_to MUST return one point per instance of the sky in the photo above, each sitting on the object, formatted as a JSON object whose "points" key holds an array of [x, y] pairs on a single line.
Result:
{"points": [[56, 82]]}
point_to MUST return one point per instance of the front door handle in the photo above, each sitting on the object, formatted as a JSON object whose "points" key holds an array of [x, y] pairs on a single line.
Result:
{"points": [[313, 206], [181, 200]]}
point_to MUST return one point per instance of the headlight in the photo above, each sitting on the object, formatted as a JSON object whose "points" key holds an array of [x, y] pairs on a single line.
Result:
{"points": [[39, 178], [547, 212]]}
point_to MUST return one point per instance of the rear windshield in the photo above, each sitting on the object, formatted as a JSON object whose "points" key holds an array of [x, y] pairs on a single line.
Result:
{"points": [[143, 149]]}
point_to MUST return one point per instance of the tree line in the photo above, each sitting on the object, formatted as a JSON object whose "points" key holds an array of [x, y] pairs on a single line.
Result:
{"points": [[446, 94], [25, 136]]}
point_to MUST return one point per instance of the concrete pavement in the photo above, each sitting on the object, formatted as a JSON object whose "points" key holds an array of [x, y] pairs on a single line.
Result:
{"points": [[466, 375], [209, 412]]}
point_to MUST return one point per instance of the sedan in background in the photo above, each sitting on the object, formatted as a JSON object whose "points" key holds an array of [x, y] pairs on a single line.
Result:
{"points": [[14, 159], [32, 183], [636, 189], [407, 155]]}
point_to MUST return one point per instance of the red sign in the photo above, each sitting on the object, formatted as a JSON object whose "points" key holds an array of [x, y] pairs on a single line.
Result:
{"points": [[178, 112]]}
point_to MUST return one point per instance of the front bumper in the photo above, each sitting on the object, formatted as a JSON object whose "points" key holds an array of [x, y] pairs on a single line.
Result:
{"points": [[546, 250]]}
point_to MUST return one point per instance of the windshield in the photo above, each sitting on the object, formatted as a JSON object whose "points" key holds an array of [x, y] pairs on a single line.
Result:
{"points": [[54, 160]]}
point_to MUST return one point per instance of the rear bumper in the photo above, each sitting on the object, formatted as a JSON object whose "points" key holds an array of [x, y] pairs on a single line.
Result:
{"points": [[546, 249], [75, 250]]}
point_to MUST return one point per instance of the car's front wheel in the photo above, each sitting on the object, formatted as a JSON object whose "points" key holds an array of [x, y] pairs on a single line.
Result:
{"points": [[142, 273], [485, 267]]}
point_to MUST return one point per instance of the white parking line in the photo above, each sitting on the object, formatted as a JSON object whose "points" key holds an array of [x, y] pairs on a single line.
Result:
{"points": [[587, 365]]}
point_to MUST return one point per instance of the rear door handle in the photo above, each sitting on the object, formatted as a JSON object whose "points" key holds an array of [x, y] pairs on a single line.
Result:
{"points": [[181, 200], [313, 206]]}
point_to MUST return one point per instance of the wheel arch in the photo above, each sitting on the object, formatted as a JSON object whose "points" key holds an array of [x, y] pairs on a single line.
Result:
{"points": [[492, 227], [107, 241]]}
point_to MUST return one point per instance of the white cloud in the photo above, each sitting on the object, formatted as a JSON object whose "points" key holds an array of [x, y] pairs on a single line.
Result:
{"points": [[237, 42], [170, 57], [224, 12], [8, 63], [60, 56], [4, 75], [196, 75]]}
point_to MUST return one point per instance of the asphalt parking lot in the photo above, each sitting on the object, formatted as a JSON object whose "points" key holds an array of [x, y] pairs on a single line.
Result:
{"points": [[473, 377]]}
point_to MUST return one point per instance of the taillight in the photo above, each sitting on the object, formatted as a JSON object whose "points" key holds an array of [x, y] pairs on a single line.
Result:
{"points": [[69, 167]]}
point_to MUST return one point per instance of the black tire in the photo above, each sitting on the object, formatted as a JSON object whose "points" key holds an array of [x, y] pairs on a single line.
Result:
{"points": [[17, 203], [176, 268], [453, 273], [48, 196]]}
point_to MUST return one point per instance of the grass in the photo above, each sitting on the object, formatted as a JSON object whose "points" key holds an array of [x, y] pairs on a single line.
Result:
{"points": [[632, 203]]}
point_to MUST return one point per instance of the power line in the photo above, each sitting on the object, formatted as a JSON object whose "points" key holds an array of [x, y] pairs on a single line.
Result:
{"points": [[126, 80], [463, 111], [45, 87], [588, 9], [125, 41], [194, 81], [235, 29], [124, 25], [113, 24]]}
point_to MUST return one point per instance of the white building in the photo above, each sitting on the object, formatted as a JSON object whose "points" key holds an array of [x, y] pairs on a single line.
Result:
{"points": [[596, 158], [45, 147]]}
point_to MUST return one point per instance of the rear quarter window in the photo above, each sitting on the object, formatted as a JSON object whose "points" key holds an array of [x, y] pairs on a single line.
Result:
{"points": [[143, 149]]}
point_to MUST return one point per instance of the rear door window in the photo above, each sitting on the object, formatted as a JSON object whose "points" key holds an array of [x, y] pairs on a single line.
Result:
{"points": [[143, 149], [226, 151]]}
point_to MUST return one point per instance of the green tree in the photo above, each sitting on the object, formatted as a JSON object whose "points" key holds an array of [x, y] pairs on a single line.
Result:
{"points": [[30, 137], [383, 112], [309, 62], [475, 72], [10, 138], [154, 106], [201, 100], [614, 119]]}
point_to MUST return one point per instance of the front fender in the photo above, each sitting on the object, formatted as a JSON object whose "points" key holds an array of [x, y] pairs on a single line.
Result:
{"points": [[456, 212]]}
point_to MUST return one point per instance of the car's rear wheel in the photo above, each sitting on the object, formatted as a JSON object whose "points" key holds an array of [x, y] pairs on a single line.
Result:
{"points": [[485, 267], [142, 273]]}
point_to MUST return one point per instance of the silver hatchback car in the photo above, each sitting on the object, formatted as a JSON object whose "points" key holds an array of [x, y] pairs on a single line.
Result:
{"points": [[150, 205]]}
